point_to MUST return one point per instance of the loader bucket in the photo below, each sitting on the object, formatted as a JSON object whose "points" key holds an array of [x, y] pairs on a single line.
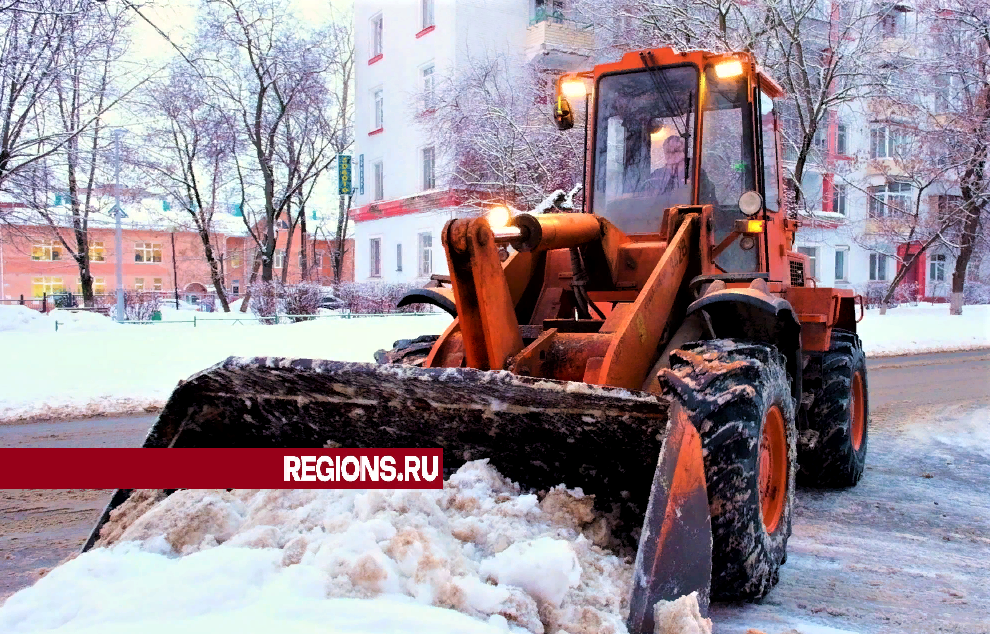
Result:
{"points": [[537, 432]]}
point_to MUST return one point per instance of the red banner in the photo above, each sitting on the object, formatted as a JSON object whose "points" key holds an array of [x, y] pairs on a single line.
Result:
{"points": [[61, 468]]}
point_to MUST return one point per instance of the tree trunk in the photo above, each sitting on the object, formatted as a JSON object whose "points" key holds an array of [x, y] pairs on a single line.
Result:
{"points": [[246, 301], [215, 273], [303, 261]]}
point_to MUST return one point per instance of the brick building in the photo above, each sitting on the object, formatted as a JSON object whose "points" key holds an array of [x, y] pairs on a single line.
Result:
{"points": [[160, 253]]}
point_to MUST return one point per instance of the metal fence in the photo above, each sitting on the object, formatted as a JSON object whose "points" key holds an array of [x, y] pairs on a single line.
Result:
{"points": [[255, 319]]}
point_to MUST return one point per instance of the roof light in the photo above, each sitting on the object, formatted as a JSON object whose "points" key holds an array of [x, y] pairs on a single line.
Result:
{"points": [[728, 68], [573, 88]]}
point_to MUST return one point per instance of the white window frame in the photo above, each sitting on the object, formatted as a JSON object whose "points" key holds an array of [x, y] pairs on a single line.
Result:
{"points": [[235, 287], [812, 260], [378, 99], [377, 35], [936, 267], [146, 252], [139, 284], [878, 267], [427, 13], [427, 76], [46, 251], [278, 258], [375, 257], [398, 257], [886, 141], [425, 253], [50, 284], [428, 161], [839, 192], [843, 275], [841, 139], [97, 252], [157, 284], [883, 202], [378, 173]]}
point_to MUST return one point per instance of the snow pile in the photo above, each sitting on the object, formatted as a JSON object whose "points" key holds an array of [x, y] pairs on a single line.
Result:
{"points": [[919, 329], [17, 318], [216, 561], [682, 616], [81, 320], [133, 368]]}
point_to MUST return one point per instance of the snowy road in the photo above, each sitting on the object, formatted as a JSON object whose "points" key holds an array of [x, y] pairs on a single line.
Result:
{"points": [[905, 551]]}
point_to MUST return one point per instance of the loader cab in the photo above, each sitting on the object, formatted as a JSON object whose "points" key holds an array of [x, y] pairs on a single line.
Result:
{"points": [[668, 129]]}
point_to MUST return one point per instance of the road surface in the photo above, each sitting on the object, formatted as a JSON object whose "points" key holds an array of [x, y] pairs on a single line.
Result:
{"points": [[904, 551]]}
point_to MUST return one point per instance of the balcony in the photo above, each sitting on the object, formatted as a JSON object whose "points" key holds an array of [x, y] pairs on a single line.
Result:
{"points": [[559, 43]]}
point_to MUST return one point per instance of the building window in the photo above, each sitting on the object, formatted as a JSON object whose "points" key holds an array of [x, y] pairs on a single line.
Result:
{"points": [[427, 7], [425, 254], [893, 23], [379, 109], [936, 268], [398, 257], [878, 267], [147, 252], [235, 259], [886, 200], [279, 258], [841, 264], [376, 257], [429, 88], [139, 283], [379, 181], [235, 287], [46, 250], [812, 253], [156, 284], [839, 198], [885, 141], [99, 285], [947, 205], [377, 33], [45, 284], [97, 252], [840, 139], [429, 168]]}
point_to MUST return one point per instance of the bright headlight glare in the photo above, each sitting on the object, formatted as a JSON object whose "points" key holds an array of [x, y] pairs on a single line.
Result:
{"points": [[728, 68], [573, 88], [499, 216]]}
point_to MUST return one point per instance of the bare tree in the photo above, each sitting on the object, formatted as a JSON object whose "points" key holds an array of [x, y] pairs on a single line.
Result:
{"points": [[495, 135], [66, 129], [189, 153], [268, 70], [960, 38]]}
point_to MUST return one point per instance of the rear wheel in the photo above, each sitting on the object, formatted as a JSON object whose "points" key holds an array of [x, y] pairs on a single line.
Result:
{"points": [[832, 451], [738, 396], [408, 351]]}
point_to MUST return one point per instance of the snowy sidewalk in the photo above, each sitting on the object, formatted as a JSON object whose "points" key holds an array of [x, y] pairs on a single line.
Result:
{"points": [[94, 367]]}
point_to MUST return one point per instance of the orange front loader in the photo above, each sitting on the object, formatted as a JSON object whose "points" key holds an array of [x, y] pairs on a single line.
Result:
{"points": [[665, 350]]}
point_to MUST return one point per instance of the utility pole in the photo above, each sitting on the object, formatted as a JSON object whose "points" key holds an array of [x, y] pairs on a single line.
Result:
{"points": [[118, 212]]}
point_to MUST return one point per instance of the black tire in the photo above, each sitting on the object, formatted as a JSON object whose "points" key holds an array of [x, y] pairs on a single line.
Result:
{"points": [[408, 351], [827, 455], [727, 389]]}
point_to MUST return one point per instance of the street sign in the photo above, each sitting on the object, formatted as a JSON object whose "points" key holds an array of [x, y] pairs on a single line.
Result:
{"points": [[343, 174], [361, 174]]}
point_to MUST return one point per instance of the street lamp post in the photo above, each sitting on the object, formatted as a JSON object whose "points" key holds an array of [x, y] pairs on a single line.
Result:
{"points": [[118, 212]]}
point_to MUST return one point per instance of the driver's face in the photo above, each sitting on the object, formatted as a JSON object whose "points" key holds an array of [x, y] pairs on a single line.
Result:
{"points": [[673, 149]]}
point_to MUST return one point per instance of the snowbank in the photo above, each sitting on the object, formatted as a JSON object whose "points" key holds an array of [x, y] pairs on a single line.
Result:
{"points": [[21, 319], [925, 328], [296, 560], [132, 368]]}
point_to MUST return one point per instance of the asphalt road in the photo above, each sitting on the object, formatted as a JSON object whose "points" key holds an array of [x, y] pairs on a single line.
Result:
{"points": [[904, 551]]}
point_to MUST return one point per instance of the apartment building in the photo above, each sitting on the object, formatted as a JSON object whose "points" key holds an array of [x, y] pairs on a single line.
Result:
{"points": [[403, 49]]}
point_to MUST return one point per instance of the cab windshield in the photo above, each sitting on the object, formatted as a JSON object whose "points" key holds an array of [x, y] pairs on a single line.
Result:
{"points": [[645, 127]]}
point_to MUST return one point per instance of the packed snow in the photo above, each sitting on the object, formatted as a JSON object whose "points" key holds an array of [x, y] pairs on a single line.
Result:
{"points": [[478, 556], [93, 366]]}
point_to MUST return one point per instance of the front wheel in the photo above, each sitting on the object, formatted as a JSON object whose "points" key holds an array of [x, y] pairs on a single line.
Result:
{"points": [[833, 448], [738, 396]]}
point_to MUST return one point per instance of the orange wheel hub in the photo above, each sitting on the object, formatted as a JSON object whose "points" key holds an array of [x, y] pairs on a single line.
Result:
{"points": [[858, 413], [773, 469]]}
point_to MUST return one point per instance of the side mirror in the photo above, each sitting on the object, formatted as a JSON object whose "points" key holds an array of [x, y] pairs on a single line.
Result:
{"points": [[563, 114]]}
